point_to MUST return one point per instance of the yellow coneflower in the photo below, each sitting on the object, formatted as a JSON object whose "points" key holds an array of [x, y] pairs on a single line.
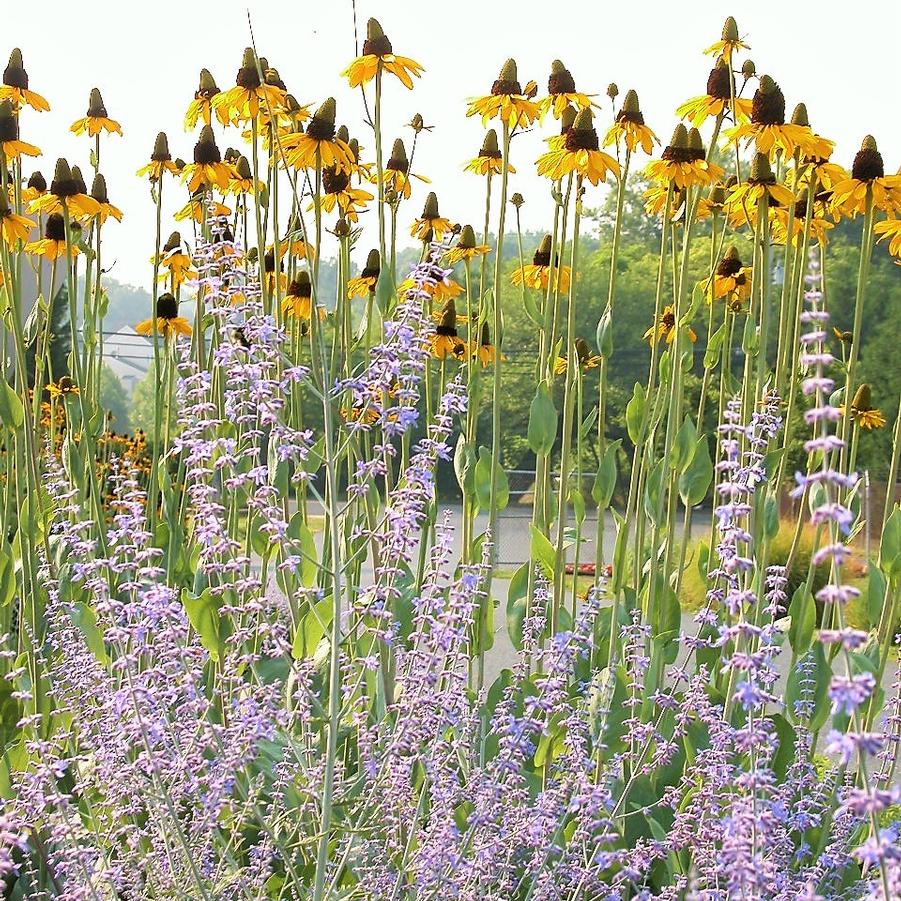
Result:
{"points": [[815, 146], [207, 170], [655, 201], [466, 247], [683, 163], [845, 337], [275, 274], [567, 119], [62, 387], [417, 123], [890, 229], [53, 245], [629, 127], [65, 186], [359, 412], [743, 202], [537, 274], [318, 145], [792, 221], [864, 414], [506, 102], [666, 328], [199, 206], [97, 119], [488, 162], [849, 196], [241, 180], [168, 322], [35, 187], [431, 221], [377, 55], [175, 259], [357, 168], [282, 119], [10, 145], [337, 192], [721, 98], [397, 173], [292, 112], [13, 227], [587, 359], [439, 292], [715, 200], [15, 85], [243, 102], [767, 128], [485, 352], [106, 209], [579, 154], [364, 284], [729, 42], [160, 160], [298, 301], [732, 280], [296, 243], [445, 341], [201, 107], [561, 89], [817, 169]]}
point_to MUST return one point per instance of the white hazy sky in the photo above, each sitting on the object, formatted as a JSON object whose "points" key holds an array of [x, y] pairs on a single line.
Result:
{"points": [[838, 57]]}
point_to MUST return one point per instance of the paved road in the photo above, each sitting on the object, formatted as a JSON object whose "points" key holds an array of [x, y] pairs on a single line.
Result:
{"points": [[513, 550]]}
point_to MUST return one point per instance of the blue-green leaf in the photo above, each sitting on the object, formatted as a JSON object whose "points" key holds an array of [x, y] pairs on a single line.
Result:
{"points": [[542, 431]]}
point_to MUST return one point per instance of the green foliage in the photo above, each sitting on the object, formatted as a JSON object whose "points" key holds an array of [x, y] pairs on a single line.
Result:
{"points": [[633, 312], [59, 339], [114, 400], [694, 586], [142, 401]]}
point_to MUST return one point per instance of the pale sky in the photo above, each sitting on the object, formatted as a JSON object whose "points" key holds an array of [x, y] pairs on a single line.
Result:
{"points": [[838, 57]]}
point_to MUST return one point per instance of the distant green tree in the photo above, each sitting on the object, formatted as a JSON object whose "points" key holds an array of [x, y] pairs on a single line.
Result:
{"points": [[142, 404], [114, 400], [59, 338]]}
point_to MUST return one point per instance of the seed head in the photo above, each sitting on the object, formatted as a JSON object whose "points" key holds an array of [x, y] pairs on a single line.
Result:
{"points": [[161, 149], [96, 109], [467, 239], [376, 43], [322, 125], [490, 146], [430, 208], [561, 80], [166, 306], [799, 115], [205, 150], [98, 189], [398, 161], [730, 30], [507, 81], [207, 86], [14, 75], [868, 164], [38, 182], [373, 265], [63, 184], [768, 105], [761, 171], [863, 400]]}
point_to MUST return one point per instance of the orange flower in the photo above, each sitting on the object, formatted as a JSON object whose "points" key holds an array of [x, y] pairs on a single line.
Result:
{"points": [[377, 55]]}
